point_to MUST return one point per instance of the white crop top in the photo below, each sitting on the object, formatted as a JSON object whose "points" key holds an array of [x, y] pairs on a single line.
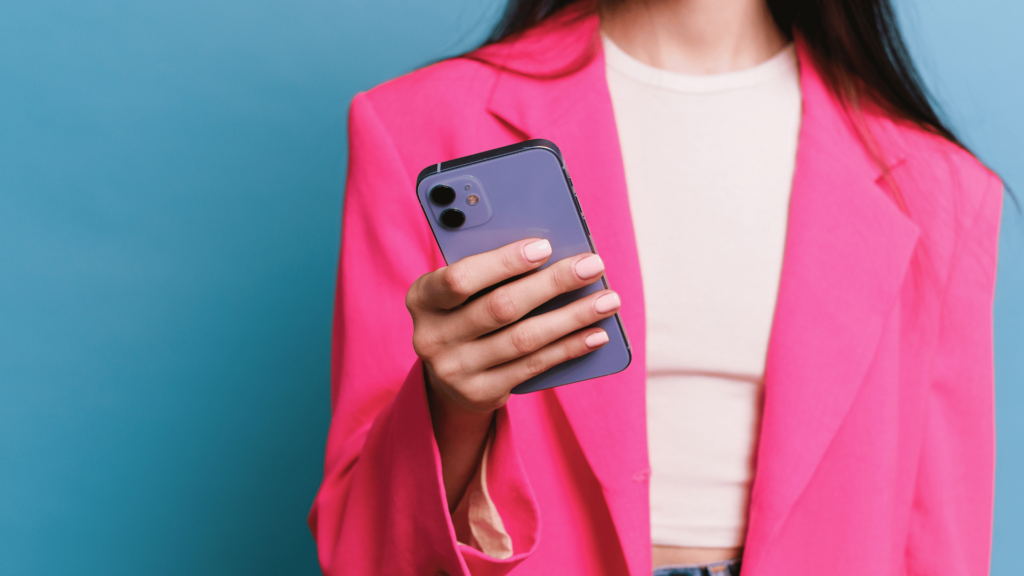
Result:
{"points": [[709, 165]]}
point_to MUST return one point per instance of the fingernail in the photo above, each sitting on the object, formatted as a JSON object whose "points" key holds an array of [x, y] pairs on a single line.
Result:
{"points": [[537, 251], [589, 266], [607, 303], [596, 339]]}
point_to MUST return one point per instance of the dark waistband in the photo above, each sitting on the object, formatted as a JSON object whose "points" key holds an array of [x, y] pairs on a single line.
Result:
{"points": [[724, 568]]}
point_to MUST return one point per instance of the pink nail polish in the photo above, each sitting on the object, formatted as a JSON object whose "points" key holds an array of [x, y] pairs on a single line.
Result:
{"points": [[607, 303], [537, 251], [596, 339], [589, 267]]}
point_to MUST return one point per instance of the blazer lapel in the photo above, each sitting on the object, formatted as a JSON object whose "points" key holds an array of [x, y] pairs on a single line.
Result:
{"points": [[846, 252], [607, 415]]}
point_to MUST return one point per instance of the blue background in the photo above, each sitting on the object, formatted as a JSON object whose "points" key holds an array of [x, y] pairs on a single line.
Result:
{"points": [[171, 178]]}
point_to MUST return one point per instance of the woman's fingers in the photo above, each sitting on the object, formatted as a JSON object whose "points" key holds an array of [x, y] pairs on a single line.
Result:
{"points": [[509, 375], [448, 287], [510, 302], [461, 316], [528, 336]]}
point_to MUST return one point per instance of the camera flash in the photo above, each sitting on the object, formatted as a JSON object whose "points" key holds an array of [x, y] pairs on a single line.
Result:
{"points": [[472, 199]]}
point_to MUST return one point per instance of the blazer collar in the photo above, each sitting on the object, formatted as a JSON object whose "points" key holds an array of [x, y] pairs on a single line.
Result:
{"points": [[846, 250]]}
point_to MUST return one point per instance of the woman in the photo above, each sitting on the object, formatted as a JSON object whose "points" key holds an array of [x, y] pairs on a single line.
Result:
{"points": [[707, 140]]}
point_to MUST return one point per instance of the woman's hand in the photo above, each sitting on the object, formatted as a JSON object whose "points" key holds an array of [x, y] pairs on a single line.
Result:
{"points": [[473, 353], [472, 356]]}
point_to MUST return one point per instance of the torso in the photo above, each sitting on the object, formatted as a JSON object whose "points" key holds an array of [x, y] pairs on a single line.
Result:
{"points": [[709, 162]]}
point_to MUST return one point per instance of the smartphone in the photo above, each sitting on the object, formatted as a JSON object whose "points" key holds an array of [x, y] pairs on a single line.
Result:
{"points": [[483, 201]]}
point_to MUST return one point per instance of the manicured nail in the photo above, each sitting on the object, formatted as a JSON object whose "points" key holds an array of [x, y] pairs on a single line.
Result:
{"points": [[589, 267], [537, 251], [596, 339], [607, 303]]}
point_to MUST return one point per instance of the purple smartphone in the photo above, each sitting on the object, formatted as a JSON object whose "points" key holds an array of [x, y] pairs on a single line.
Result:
{"points": [[480, 202]]}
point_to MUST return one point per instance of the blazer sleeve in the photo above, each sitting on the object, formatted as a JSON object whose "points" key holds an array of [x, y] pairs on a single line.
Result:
{"points": [[951, 520], [381, 508]]}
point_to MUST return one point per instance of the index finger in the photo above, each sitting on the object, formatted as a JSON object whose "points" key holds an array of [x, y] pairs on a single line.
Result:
{"points": [[448, 287]]}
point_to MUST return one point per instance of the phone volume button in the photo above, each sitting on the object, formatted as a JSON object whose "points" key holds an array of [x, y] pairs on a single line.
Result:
{"points": [[576, 201]]}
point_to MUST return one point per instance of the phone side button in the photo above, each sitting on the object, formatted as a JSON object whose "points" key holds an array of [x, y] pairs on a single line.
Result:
{"points": [[585, 227]]}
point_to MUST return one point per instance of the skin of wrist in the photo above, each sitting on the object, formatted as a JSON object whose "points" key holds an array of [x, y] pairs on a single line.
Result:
{"points": [[451, 419]]}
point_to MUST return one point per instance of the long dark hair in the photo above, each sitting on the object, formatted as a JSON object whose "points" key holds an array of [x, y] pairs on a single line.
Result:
{"points": [[856, 44]]}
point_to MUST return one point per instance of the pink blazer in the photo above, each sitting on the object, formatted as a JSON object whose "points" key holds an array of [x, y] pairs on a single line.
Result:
{"points": [[877, 440]]}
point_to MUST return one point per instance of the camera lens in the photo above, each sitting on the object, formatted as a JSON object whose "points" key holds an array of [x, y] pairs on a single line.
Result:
{"points": [[453, 218], [442, 195]]}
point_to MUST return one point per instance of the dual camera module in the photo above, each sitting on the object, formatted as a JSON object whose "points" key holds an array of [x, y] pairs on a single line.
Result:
{"points": [[443, 195]]}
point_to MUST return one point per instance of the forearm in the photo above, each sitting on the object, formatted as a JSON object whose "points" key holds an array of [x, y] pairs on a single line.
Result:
{"points": [[461, 437]]}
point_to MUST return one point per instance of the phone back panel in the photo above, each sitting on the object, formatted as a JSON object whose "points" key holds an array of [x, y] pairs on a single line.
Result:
{"points": [[523, 191]]}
